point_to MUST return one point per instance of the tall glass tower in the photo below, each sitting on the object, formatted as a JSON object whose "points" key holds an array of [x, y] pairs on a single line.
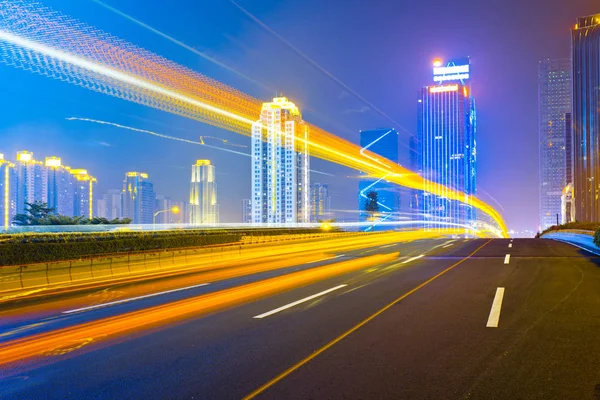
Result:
{"points": [[61, 188], [8, 192], [320, 202], [554, 88], [447, 146], [383, 142], [138, 198], [280, 165], [204, 208], [585, 48]]}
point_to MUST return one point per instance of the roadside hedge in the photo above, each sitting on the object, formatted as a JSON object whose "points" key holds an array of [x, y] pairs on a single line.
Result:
{"points": [[21, 249]]}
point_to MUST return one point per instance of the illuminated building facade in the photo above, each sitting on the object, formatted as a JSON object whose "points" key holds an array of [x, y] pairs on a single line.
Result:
{"points": [[383, 142], [138, 198], [280, 165], [8, 195], [320, 202], [247, 211], [204, 208], [554, 88], [61, 187], [85, 187], [585, 116], [446, 143], [32, 181]]}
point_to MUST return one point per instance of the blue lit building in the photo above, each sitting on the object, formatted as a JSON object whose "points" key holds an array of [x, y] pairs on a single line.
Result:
{"points": [[446, 143], [383, 142]]}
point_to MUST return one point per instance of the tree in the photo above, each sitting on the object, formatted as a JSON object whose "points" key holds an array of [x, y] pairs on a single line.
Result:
{"points": [[38, 213], [372, 203], [35, 214]]}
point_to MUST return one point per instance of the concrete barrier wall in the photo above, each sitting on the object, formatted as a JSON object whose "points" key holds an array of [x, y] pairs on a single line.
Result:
{"points": [[105, 268]]}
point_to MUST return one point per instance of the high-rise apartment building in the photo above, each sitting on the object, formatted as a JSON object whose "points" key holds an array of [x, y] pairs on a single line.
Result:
{"points": [[320, 202], [280, 165], [137, 198], [204, 208], [246, 211], [32, 181], [8, 192], [61, 187], [585, 116], [109, 205], [446, 143], [84, 189], [554, 89], [384, 143]]}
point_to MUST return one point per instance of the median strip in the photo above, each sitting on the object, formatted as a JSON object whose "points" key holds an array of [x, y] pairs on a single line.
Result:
{"points": [[496, 307], [295, 303]]}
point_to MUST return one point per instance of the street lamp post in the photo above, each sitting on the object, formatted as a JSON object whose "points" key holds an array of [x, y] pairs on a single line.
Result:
{"points": [[174, 210]]}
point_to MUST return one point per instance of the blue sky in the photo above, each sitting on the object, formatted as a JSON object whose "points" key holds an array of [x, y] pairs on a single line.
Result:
{"points": [[381, 49]]}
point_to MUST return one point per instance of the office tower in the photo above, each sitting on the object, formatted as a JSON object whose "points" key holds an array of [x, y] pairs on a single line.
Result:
{"points": [[204, 208], [585, 116], [8, 192], [169, 216], [84, 189], [384, 143], [109, 205], [32, 181], [61, 187], [446, 136], [280, 165], [554, 89], [138, 198], [320, 202], [247, 211]]}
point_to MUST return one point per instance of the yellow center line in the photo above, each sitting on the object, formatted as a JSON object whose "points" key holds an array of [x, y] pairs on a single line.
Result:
{"points": [[354, 329]]}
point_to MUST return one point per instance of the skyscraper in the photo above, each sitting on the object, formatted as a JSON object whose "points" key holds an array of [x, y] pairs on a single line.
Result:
{"points": [[138, 198], [8, 194], [383, 142], [246, 211], [204, 208], [84, 189], [280, 165], [320, 202], [447, 147], [554, 88], [61, 187], [585, 116], [32, 181], [109, 205]]}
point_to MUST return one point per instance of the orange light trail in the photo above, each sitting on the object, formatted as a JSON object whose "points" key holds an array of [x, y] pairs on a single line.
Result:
{"points": [[35, 38]]}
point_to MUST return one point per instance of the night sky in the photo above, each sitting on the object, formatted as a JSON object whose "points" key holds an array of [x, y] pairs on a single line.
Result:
{"points": [[380, 49]]}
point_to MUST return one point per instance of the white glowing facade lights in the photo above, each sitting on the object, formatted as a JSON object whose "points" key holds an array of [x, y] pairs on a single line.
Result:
{"points": [[204, 208], [280, 173], [452, 72]]}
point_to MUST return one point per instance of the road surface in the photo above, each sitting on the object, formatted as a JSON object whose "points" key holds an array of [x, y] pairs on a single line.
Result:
{"points": [[445, 319]]}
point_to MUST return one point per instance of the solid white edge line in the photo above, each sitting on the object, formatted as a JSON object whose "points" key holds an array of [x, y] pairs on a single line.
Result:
{"points": [[295, 303], [494, 317], [448, 245], [389, 245], [112, 303], [412, 259], [507, 259]]}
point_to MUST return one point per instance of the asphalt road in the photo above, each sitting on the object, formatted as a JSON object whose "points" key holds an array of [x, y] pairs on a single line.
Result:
{"points": [[432, 327]]}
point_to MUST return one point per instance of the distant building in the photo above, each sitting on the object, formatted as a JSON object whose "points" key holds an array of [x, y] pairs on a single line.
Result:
{"points": [[168, 217], [8, 195], [554, 88], [280, 165], [247, 211], [204, 208], [85, 187], [320, 202], [447, 146], [109, 205], [61, 187], [585, 47], [384, 143], [32, 181], [138, 198]]}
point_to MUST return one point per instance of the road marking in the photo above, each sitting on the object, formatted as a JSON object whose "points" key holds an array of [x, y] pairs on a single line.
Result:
{"points": [[326, 259], [448, 245], [295, 303], [507, 259], [412, 259], [496, 307], [389, 245], [313, 355], [112, 303], [510, 245]]}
